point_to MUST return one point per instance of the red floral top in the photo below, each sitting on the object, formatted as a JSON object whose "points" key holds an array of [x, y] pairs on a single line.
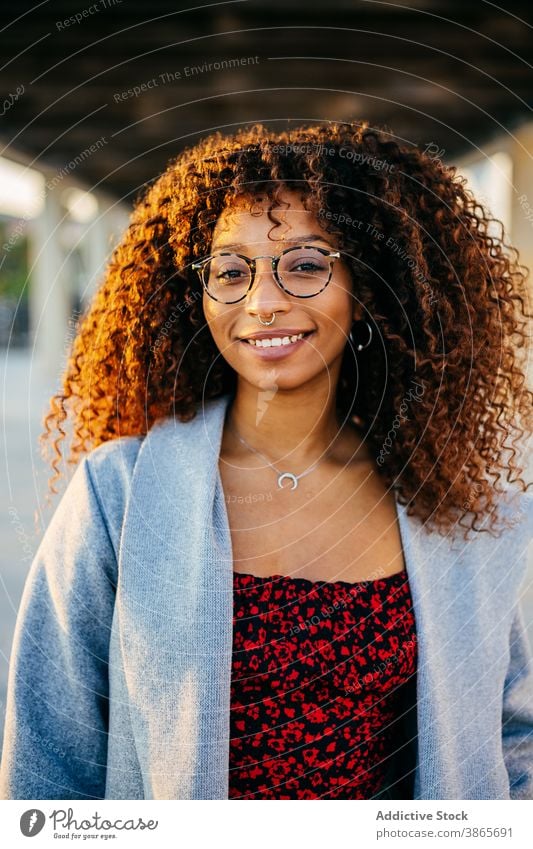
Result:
{"points": [[317, 675]]}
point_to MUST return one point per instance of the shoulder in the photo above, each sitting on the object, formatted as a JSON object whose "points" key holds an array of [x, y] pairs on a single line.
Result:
{"points": [[476, 559], [109, 469], [111, 464], [499, 559], [513, 509], [516, 508], [525, 505]]}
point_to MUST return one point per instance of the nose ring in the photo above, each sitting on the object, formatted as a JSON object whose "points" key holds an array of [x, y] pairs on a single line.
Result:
{"points": [[266, 323]]}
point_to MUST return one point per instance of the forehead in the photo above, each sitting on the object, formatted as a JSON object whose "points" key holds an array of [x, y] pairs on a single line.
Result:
{"points": [[247, 218]]}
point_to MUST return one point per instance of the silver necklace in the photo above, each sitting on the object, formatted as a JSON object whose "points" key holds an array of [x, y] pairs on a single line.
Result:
{"points": [[281, 475]]}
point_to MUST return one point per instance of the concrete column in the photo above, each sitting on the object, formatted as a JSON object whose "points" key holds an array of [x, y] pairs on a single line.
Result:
{"points": [[49, 302], [522, 200], [103, 233], [518, 145]]}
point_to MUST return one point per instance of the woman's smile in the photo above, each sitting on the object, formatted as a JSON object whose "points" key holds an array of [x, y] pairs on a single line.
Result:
{"points": [[276, 347]]}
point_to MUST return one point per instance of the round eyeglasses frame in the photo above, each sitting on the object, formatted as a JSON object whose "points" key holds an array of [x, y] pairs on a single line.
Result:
{"points": [[200, 265]]}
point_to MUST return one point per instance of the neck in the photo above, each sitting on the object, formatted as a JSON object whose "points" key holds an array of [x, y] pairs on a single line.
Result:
{"points": [[293, 426]]}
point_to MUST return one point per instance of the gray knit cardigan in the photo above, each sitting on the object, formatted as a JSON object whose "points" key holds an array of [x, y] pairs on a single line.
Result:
{"points": [[119, 682]]}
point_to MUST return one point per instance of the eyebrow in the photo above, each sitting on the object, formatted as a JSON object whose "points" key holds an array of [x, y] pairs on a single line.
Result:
{"points": [[310, 237]]}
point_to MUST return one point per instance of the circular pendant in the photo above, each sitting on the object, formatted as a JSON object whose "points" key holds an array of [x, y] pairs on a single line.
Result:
{"points": [[291, 477]]}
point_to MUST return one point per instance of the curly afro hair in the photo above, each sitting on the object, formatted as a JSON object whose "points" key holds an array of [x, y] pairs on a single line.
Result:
{"points": [[440, 395]]}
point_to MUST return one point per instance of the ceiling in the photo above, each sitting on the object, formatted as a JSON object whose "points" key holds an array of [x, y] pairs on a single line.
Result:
{"points": [[448, 73]]}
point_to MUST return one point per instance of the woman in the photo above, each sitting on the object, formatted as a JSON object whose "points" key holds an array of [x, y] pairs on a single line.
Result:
{"points": [[299, 380]]}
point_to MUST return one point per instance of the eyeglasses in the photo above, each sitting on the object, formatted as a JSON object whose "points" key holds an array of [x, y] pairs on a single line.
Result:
{"points": [[303, 271]]}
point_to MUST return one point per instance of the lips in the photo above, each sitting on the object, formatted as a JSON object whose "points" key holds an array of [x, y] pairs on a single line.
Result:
{"points": [[280, 333], [282, 347], [273, 342]]}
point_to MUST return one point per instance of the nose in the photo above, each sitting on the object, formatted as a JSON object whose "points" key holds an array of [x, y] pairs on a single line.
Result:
{"points": [[266, 295]]}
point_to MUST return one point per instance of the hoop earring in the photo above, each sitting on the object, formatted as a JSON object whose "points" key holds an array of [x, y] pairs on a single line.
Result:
{"points": [[358, 345]]}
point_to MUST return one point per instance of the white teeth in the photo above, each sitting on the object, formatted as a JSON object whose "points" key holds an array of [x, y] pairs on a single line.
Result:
{"points": [[275, 341]]}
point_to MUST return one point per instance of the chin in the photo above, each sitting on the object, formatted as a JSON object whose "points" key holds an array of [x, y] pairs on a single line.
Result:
{"points": [[272, 379]]}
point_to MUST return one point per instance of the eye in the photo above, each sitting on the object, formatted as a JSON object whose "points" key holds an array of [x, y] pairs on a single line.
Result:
{"points": [[224, 269], [230, 274], [305, 262], [307, 265]]}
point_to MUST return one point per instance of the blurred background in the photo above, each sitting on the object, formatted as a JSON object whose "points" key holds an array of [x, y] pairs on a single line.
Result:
{"points": [[95, 97]]}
